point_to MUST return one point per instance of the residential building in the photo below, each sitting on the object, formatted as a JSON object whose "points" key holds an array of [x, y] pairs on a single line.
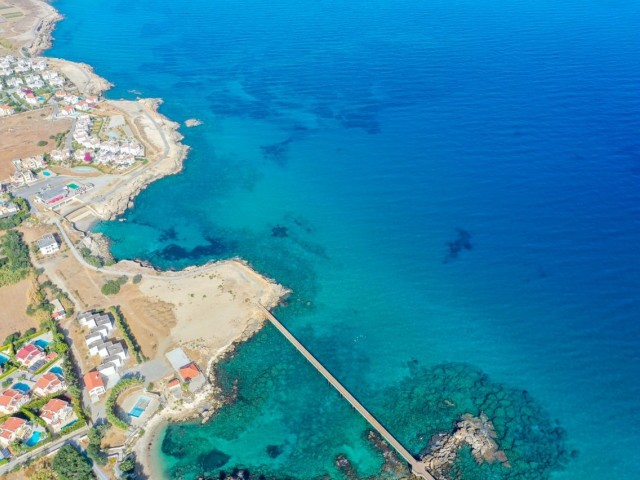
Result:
{"points": [[49, 384], [94, 338], [56, 413], [48, 244], [107, 369], [6, 110], [91, 320], [14, 429], [58, 312], [30, 354], [94, 384], [11, 400], [175, 387]]}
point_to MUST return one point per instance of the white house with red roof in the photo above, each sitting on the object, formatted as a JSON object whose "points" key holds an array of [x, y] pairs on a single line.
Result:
{"points": [[94, 384], [48, 384], [13, 429], [30, 354], [11, 400], [6, 110], [57, 413]]}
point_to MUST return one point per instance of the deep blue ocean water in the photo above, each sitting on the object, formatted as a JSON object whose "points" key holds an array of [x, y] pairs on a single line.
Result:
{"points": [[455, 192]]}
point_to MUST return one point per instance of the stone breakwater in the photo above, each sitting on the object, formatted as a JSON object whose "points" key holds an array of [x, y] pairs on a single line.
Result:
{"points": [[476, 432]]}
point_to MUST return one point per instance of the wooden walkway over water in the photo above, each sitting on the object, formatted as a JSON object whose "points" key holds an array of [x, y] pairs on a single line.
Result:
{"points": [[417, 467]]}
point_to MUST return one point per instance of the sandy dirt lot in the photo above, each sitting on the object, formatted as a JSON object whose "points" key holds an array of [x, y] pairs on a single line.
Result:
{"points": [[28, 29], [13, 305], [20, 134], [150, 320]]}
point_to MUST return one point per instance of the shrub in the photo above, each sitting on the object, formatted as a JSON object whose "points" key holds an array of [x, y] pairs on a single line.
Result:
{"points": [[42, 143], [111, 287], [137, 278]]}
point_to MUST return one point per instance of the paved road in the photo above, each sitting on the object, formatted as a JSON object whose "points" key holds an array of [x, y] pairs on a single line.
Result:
{"points": [[99, 473], [30, 190], [152, 370], [118, 272], [69, 140]]}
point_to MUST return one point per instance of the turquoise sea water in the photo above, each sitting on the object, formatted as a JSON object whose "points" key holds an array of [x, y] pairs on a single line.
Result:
{"points": [[452, 191]]}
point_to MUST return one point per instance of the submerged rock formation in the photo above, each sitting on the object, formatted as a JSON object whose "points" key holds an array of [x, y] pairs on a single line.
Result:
{"points": [[476, 432]]}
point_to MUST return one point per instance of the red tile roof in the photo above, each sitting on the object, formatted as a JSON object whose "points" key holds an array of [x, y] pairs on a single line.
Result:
{"points": [[27, 351], [48, 380], [55, 405], [8, 396], [12, 424], [189, 372], [93, 380]]}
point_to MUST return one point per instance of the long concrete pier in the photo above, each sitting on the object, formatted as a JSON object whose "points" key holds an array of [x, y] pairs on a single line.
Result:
{"points": [[417, 467]]}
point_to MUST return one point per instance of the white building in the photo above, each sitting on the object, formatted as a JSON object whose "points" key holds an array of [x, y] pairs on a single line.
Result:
{"points": [[48, 244]]}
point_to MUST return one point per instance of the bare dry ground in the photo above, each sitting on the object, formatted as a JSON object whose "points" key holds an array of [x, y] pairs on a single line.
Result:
{"points": [[150, 320], [20, 23], [13, 306], [20, 134]]}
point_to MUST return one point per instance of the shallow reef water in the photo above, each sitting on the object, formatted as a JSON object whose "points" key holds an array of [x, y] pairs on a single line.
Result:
{"points": [[431, 400], [370, 131]]}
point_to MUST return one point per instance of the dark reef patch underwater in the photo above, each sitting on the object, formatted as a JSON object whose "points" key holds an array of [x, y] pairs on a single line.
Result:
{"points": [[430, 400]]}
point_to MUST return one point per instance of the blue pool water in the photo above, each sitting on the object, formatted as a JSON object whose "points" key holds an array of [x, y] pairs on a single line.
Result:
{"points": [[41, 343], [451, 189], [33, 439], [3, 359], [140, 406], [69, 424], [21, 387], [136, 412], [57, 370]]}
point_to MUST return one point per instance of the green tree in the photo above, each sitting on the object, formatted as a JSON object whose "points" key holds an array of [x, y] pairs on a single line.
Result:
{"points": [[60, 347], [11, 338], [127, 465], [69, 464]]}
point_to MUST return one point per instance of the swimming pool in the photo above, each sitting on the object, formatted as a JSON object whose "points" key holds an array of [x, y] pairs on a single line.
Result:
{"points": [[46, 173], [41, 343], [3, 359], [140, 406], [57, 370], [33, 439], [69, 424], [21, 387]]}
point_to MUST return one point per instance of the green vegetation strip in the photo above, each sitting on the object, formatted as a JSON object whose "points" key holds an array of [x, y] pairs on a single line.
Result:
{"points": [[128, 336], [23, 340], [120, 387]]}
